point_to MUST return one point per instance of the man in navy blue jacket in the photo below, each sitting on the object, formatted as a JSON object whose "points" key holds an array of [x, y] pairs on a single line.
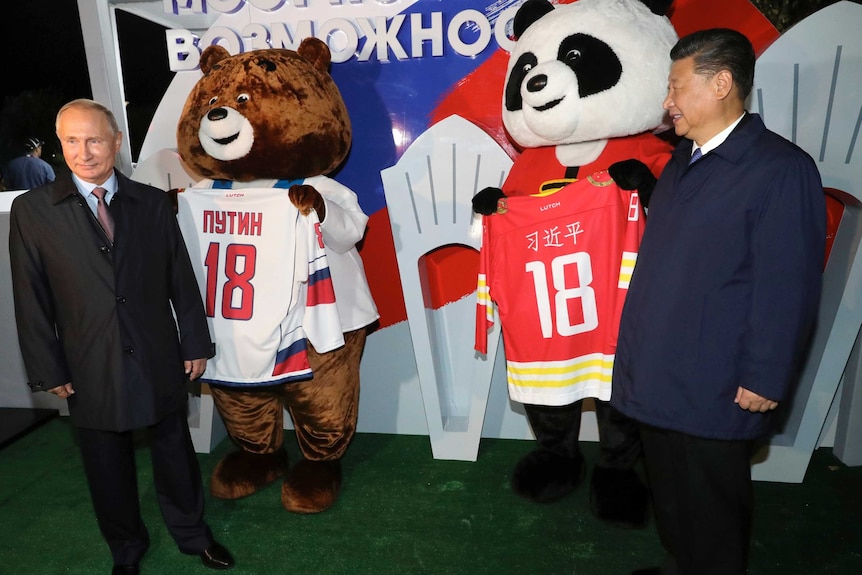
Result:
{"points": [[721, 306]]}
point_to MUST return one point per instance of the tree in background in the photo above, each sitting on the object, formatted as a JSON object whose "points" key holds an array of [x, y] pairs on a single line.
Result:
{"points": [[785, 13]]}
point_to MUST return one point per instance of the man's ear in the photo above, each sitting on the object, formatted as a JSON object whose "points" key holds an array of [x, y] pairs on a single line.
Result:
{"points": [[722, 83]]}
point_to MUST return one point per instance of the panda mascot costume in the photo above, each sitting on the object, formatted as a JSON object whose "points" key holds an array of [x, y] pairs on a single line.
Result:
{"points": [[584, 89]]}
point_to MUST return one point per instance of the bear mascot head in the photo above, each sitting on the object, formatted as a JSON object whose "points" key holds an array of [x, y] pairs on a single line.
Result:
{"points": [[583, 93], [264, 114], [272, 238]]}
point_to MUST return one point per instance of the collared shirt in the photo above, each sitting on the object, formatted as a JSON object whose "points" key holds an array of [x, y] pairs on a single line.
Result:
{"points": [[717, 139], [86, 190]]}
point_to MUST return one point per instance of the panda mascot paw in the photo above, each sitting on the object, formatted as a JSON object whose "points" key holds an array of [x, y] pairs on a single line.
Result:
{"points": [[619, 497], [543, 476], [485, 201], [633, 174]]}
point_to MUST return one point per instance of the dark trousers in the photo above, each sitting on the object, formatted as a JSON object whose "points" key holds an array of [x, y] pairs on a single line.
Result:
{"points": [[109, 463], [702, 500]]}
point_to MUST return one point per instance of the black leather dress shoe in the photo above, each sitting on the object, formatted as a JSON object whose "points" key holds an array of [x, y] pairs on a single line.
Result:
{"points": [[126, 569], [216, 557]]}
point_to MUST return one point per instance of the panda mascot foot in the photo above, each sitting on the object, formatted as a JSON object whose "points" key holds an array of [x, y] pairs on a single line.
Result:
{"points": [[311, 486], [241, 473], [619, 497], [543, 476]]}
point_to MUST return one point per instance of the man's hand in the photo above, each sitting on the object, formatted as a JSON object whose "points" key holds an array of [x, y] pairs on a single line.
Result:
{"points": [[63, 391], [195, 367], [752, 402]]}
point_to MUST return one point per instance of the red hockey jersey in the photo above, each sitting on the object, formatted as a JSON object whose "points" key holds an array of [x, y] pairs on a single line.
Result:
{"points": [[557, 267]]}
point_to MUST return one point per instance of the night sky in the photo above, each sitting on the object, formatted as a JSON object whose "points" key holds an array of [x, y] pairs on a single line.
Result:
{"points": [[49, 67], [43, 38]]}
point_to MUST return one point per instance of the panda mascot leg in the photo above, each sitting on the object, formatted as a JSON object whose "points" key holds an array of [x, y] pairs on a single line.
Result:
{"points": [[324, 411], [617, 494], [556, 467]]}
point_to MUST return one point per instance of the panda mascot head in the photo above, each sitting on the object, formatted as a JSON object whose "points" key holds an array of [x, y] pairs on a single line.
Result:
{"points": [[586, 71]]}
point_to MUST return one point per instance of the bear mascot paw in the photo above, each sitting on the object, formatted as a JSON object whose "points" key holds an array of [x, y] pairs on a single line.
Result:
{"points": [[242, 473]]}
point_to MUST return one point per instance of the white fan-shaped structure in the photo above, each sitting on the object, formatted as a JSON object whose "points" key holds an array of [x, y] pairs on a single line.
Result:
{"points": [[164, 170], [808, 88], [428, 196]]}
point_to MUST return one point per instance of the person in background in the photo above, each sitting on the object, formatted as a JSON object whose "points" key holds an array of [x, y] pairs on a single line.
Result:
{"points": [[98, 265], [30, 170], [719, 313]]}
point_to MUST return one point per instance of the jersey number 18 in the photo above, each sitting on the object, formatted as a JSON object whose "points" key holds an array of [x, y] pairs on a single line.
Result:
{"points": [[562, 295]]}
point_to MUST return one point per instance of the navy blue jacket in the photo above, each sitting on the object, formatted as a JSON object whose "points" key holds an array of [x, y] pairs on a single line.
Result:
{"points": [[726, 287], [27, 172]]}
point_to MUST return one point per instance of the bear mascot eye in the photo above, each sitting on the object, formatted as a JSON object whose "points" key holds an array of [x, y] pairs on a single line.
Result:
{"points": [[242, 98], [213, 100]]}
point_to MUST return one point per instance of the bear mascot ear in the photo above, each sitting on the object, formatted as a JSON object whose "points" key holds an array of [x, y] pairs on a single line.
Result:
{"points": [[316, 52], [211, 56]]}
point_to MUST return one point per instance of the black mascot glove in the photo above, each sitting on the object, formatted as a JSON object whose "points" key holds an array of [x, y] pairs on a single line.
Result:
{"points": [[634, 175], [485, 201]]}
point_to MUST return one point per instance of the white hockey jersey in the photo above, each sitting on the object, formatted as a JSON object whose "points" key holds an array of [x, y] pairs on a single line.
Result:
{"points": [[263, 275]]}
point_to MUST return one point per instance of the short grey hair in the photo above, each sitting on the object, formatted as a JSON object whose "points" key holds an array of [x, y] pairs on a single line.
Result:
{"points": [[88, 104]]}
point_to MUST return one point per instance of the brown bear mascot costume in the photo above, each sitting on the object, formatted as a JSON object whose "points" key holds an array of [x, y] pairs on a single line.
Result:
{"points": [[263, 129]]}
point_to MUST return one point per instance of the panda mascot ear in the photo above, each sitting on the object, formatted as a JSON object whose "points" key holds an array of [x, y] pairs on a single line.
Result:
{"points": [[658, 7], [529, 12]]}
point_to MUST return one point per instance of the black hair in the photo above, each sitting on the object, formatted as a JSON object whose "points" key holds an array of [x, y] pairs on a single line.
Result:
{"points": [[719, 49]]}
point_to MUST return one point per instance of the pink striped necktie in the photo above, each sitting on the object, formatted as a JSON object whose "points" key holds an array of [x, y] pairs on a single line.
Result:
{"points": [[102, 213]]}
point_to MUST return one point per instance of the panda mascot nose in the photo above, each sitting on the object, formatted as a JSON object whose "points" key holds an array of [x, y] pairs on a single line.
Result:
{"points": [[217, 114], [537, 83]]}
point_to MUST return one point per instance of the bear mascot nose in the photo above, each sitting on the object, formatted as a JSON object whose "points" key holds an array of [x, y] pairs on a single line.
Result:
{"points": [[217, 114]]}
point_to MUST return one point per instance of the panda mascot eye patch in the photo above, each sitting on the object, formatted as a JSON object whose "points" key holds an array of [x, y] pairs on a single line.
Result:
{"points": [[592, 61]]}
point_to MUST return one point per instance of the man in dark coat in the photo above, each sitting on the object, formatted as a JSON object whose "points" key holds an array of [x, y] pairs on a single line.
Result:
{"points": [[99, 270], [721, 305]]}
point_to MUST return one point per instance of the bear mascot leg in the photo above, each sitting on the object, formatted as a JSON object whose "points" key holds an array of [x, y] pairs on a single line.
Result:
{"points": [[324, 412], [255, 423], [556, 467]]}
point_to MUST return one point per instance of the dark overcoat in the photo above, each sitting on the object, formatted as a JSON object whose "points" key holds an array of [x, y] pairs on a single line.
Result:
{"points": [[726, 287], [100, 316]]}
